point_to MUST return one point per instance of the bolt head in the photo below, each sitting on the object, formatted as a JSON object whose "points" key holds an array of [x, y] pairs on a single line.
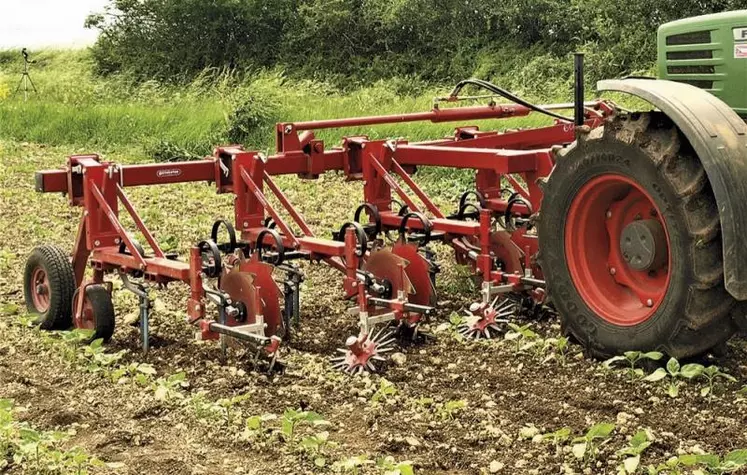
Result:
{"points": [[613, 271], [650, 303], [246, 224], [97, 243], [609, 214]]}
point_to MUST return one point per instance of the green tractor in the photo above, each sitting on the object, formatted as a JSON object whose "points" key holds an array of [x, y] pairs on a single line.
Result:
{"points": [[684, 165], [709, 52]]}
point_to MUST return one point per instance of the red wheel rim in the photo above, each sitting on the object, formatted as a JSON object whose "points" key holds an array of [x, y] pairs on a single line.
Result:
{"points": [[40, 289], [618, 293], [86, 320]]}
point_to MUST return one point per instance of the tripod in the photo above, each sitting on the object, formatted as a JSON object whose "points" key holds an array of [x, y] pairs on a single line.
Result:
{"points": [[25, 77]]}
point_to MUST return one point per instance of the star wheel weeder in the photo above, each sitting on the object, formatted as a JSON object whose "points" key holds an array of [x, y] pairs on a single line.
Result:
{"points": [[362, 350], [483, 320]]}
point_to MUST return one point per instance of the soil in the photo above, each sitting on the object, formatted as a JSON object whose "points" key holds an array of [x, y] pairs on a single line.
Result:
{"points": [[503, 391]]}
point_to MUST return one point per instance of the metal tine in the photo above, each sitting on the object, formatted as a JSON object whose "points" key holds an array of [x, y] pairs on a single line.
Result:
{"points": [[385, 343], [360, 370], [337, 358], [375, 337], [371, 366], [385, 337], [384, 350], [377, 358], [342, 350]]}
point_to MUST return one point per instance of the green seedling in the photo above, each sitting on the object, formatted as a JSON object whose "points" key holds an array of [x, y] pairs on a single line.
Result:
{"points": [[731, 462], [255, 426], [450, 408], [386, 390], [351, 465], [632, 453], [633, 358], [523, 336], [227, 404], [711, 373], [291, 419], [28, 450], [391, 467], [169, 388], [586, 447], [314, 446], [675, 372], [98, 359], [558, 437], [560, 350]]}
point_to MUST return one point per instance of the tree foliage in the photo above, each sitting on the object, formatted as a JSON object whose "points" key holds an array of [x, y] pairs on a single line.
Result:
{"points": [[363, 40]]}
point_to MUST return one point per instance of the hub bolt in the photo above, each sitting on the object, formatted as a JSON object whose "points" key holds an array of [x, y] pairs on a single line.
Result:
{"points": [[609, 214], [650, 303], [613, 271]]}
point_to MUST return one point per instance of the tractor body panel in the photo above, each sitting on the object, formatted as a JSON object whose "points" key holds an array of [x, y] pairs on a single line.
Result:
{"points": [[708, 52], [719, 137]]}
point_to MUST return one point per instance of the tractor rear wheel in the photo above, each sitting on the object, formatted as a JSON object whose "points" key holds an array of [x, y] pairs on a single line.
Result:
{"points": [[48, 286], [630, 242]]}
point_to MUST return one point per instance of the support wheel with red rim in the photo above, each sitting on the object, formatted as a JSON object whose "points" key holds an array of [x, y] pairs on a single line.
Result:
{"points": [[98, 313], [48, 286], [630, 242]]}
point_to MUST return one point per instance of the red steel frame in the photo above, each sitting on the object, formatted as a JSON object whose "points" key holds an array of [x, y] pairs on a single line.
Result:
{"points": [[99, 186]]}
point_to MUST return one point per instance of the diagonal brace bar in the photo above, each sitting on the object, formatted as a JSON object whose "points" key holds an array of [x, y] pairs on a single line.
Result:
{"points": [[139, 222], [392, 183], [117, 225], [268, 207], [417, 190]]}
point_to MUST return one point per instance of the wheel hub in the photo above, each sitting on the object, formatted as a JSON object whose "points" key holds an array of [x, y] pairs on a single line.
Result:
{"points": [[617, 249], [643, 244], [40, 294]]}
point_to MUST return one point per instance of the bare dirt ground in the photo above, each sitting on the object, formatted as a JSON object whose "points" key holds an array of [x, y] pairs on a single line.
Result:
{"points": [[449, 407]]}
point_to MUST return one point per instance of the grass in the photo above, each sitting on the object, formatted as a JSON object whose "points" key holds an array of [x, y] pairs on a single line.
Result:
{"points": [[75, 107]]}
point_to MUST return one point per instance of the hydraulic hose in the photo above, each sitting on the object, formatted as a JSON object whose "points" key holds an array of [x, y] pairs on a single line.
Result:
{"points": [[505, 94]]}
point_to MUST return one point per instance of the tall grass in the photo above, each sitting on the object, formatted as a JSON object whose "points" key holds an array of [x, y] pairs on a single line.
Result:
{"points": [[74, 107]]}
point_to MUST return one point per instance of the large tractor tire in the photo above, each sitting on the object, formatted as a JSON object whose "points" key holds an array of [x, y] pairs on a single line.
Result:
{"points": [[630, 242]]}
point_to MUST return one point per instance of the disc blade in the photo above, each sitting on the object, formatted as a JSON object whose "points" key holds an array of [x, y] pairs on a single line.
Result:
{"points": [[418, 271], [240, 287], [384, 265], [269, 292]]}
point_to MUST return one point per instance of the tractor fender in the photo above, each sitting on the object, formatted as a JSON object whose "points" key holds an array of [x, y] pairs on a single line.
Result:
{"points": [[719, 137]]}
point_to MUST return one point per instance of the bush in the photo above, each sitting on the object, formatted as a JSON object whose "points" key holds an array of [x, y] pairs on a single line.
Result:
{"points": [[256, 108], [356, 41]]}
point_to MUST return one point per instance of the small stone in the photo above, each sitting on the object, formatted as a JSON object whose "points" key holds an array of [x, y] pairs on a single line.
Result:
{"points": [[399, 358], [412, 441], [623, 418], [495, 466]]}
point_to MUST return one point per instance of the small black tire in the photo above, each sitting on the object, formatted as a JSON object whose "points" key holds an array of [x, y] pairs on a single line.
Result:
{"points": [[102, 312], [695, 314], [55, 264]]}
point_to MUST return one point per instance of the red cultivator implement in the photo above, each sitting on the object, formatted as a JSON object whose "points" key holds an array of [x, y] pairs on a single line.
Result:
{"points": [[622, 282]]}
